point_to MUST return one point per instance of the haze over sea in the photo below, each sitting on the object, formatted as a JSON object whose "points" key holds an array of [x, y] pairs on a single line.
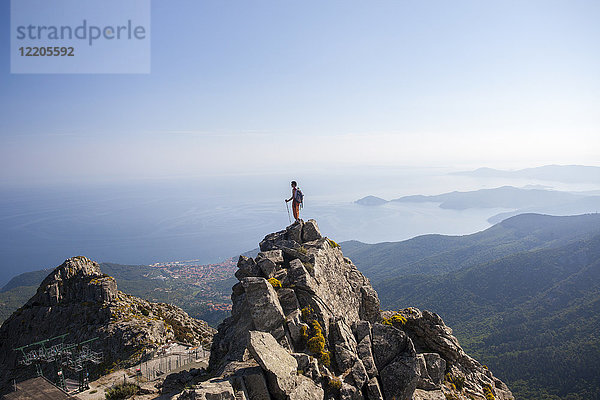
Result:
{"points": [[211, 219]]}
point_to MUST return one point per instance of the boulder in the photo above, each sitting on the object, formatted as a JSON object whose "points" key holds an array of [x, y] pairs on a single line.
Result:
{"points": [[274, 255], [267, 267], [294, 325], [350, 392], [369, 307], [373, 390], [363, 349], [388, 343], [361, 329], [294, 232], [359, 374], [310, 231], [281, 369], [428, 395], [279, 365], [288, 300], [399, 378], [270, 241], [256, 384], [299, 277], [263, 304], [246, 268], [344, 345], [431, 371], [215, 389]]}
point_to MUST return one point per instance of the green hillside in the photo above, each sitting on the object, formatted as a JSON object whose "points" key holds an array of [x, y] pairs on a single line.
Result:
{"points": [[532, 316], [142, 281], [438, 254]]}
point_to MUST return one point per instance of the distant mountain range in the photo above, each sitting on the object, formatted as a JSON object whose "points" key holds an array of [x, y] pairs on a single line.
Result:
{"points": [[523, 296], [557, 173], [521, 200]]}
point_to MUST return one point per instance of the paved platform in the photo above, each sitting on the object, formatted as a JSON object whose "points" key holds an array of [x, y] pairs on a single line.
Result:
{"points": [[37, 389]]}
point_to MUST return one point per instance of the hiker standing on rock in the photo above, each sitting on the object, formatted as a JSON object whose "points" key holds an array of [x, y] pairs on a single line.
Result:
{"points": [[296, 199]]}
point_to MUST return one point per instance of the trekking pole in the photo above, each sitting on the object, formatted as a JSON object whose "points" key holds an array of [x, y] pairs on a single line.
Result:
{"points": [[288, 208]]}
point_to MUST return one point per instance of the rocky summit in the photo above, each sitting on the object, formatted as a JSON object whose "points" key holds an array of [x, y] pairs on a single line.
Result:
{"points": [[77, 299], [306, 324]]}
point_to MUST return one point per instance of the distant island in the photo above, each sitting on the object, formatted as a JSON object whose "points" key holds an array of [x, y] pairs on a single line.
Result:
{"points": [[557, 173], [371, 201], [517, 200]]}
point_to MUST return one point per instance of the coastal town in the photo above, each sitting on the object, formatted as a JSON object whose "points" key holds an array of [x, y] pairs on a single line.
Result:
{"points": [[204, 278]]}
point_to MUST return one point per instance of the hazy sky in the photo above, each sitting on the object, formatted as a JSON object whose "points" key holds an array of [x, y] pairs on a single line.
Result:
{"points": [[250, 86]]}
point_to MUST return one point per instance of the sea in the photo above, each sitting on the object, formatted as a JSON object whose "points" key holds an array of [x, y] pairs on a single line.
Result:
{"points": [[212, 218]]}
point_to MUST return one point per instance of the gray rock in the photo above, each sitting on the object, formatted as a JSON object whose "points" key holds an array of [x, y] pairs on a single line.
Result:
{"points": [[376, 358], [388, 343], [212, 390], [281, 275], [294, 232], [281, 369], [363, 349], [256, 384], [369, 308], [269, 242], [246, 268], [435, 366], [277, 363], [302, 359], [359, 374], [349, 392], [373, 390], [344, 357], [299, 277], [342, 334], [274, 255], [344, 345], [267, 266], [361, 329], [310, 231], [293, 250], [424, 381], [294, 325], [263, 304], [288, 300], [428, 395], [399, 378]]}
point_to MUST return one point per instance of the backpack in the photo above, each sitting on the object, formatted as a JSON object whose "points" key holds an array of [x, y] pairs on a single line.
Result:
{"points": [[299, 196]]}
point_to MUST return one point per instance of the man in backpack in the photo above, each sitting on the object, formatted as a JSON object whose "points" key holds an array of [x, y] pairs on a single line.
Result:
{"points": [[296, 199]]}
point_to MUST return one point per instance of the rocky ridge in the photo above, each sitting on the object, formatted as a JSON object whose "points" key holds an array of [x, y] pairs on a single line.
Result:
{"points": [[78, 299], [306, 324]]}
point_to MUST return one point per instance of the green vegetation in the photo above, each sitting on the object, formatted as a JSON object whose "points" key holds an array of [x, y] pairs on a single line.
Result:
{"points": [[489, 393], [532, 316], [309, 267], [275, 283], [122, 391], [333, 244], [141, 281], [395, 319], [456, 382], [334, 384], [313, 336], [440, 254]]}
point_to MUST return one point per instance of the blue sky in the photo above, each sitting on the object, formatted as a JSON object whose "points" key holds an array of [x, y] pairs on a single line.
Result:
{"points": [[252, 86]]}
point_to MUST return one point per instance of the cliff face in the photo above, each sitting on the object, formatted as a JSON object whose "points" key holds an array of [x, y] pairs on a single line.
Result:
{"points": [[306, 324], [78, 300]]}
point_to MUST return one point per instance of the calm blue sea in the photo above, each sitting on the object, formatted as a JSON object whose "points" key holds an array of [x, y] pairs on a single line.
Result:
{"points": [[211, 219]]}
